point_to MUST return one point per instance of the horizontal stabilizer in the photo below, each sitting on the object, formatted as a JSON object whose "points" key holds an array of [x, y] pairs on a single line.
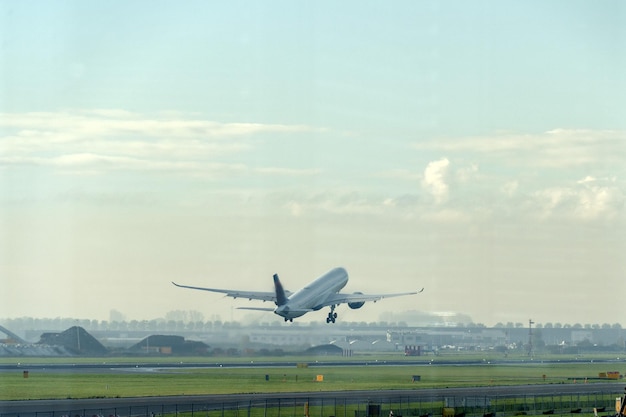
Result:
{"points": [[301, 310], [256, 308]]}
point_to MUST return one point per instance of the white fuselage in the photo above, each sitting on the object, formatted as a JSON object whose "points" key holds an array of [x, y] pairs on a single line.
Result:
{"points": [[312, 296]]}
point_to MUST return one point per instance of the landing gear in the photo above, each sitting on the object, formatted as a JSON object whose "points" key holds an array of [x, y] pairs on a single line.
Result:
{"points": [[332, 316], [286, 319]]}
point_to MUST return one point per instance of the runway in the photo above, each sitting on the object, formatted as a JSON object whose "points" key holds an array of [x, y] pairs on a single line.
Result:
{"points": [[113, 367]]}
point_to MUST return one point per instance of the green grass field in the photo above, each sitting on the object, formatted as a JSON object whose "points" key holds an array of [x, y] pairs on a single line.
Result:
{"points": [[188, 381]]}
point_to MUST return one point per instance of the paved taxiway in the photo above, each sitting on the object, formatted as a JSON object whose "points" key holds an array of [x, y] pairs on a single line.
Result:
{"points": [[112, 367]]}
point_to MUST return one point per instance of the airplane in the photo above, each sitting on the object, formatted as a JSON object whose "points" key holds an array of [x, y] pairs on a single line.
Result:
{"points": [[323, 292]]}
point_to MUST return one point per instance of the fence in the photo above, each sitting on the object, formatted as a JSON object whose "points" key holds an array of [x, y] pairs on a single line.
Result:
{"points": [[417, 405]]}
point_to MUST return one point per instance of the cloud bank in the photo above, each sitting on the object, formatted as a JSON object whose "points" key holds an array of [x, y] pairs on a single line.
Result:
{"points": [[114, 140], [559, 174]]}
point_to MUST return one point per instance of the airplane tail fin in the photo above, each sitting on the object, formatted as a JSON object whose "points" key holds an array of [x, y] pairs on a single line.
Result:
{"points": [[281, 299]]}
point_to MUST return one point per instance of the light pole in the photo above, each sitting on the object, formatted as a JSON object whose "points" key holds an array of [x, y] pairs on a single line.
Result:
{"points": [[530, 337]]}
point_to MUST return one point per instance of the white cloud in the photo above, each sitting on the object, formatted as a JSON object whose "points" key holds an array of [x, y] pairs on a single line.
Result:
{"points": [[467, 174], [587, 179], [467, 196], [574, 174], [510, 188], [561, 173], [295, 209], [401, 174], [553, 148], [595, 202], [84, 125], [446, 216], [584, 201], [115, 140], [92, 164], [292, 172], [435, 179], [300, 202]]}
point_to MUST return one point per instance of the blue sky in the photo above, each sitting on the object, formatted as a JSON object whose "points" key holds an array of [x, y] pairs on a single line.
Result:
{"points": [[473, 148]]}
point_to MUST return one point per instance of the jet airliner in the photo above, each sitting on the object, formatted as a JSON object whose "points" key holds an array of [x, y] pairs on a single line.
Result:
{"points": [[323, 292]]}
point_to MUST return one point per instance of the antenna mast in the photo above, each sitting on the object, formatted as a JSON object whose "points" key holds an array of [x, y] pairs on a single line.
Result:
{"points": [[530, 337]]}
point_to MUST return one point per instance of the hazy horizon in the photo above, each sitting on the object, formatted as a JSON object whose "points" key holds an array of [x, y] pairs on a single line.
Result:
{"points": [[476, 149], [410, 318]]}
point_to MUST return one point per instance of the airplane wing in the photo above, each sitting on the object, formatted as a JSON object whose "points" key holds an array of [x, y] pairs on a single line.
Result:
{"points": [[340, 298], [250, 295]]}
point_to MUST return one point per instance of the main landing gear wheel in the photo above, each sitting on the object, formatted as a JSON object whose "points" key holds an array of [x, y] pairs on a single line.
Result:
{"points": [[332, 316]]}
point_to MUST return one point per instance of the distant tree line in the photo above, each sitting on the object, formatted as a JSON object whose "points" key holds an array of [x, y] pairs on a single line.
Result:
{"points": [[193, 321], [549, 325], [60, 324]]}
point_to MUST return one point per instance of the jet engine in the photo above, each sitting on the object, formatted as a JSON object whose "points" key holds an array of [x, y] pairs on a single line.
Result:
{"points": [[357, 304]]}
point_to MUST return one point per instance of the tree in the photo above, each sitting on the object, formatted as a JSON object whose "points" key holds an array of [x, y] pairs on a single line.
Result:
{"points": [[196, 316], [115, 315], [176, 315]]}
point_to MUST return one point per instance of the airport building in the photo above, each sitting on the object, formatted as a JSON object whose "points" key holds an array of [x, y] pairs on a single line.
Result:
{"points": [[287, 337]]}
